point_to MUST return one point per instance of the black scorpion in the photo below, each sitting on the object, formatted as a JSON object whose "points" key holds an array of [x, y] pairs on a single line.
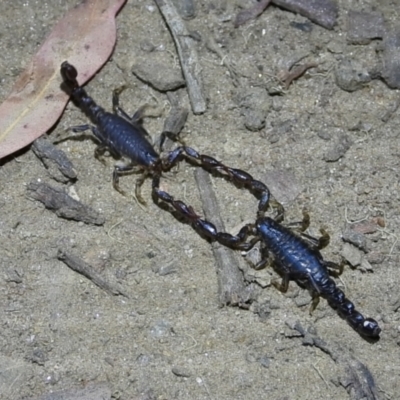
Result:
{"points": [[295, 257], [124, 136], [300, 260]]}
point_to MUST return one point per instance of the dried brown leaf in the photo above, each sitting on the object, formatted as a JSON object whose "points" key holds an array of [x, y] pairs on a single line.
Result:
{"points": [[85, 37]]}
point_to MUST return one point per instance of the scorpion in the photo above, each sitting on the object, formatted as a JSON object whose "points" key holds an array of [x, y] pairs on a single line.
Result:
{"points": [[124, 136], [298, 258], [295, 257]]}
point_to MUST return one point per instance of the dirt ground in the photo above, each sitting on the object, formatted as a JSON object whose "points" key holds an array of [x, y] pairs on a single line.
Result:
{"points": [[322, 148]]}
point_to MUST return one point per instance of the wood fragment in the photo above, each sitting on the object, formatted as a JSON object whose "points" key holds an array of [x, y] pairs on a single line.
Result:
{"points": [[63, 204], [187, 55], [175, 122], [79, 266], [54, 159], [295, 73], [231, 285]]}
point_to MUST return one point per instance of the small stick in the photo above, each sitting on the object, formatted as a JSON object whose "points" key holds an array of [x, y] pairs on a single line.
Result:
{"points": [[62, 204], [187, 55], [55, 160], [78, 265], [296, 72], [231, 286]]}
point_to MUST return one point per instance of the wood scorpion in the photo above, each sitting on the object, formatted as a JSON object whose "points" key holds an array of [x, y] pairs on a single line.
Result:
{"points": [[124, 136], [295, 257]]}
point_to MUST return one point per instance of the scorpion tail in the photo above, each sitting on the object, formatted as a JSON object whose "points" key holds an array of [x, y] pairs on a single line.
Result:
{"points": [[367, 327], [85, 102], [69, 74]]}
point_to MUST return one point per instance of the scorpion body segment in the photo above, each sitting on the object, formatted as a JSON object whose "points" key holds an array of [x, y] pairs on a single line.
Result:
{"points": [[298, 260]]}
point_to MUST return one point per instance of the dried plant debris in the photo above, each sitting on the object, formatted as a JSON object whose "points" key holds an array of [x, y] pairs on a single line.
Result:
{"points": [[78, 265], [187, 53], [358, 380], [37, 100], [175, 122], [296, 72], [231, 286], [55, 160], [63, 204]]}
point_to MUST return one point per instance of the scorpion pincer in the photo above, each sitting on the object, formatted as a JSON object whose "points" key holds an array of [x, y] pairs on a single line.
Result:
{"points": [[124, 136], [299, 259]]}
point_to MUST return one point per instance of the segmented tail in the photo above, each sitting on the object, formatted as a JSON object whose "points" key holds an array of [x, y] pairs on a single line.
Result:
{"points": [[84, 101], [337, 300]]}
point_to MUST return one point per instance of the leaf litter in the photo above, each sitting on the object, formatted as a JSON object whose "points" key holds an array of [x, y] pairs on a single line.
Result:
{"points": [[85, 36]]}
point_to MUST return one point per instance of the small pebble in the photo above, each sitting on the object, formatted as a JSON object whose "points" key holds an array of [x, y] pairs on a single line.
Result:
{"points": [[363, 26], [351, 76], [181, 371], [352, 255]]}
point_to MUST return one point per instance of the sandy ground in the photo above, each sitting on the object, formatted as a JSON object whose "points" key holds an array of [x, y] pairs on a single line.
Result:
{"points": [[170, 339]]}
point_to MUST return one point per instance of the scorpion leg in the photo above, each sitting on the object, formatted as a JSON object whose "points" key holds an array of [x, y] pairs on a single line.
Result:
{"points": [[261, 264], [302, 225], [314, 303], [80, 128], [99, 152], [115, 103], [324, 239], [319, 243], [335, 269], [100, 149], [138, 186], [283, 286], [123, 169]]}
